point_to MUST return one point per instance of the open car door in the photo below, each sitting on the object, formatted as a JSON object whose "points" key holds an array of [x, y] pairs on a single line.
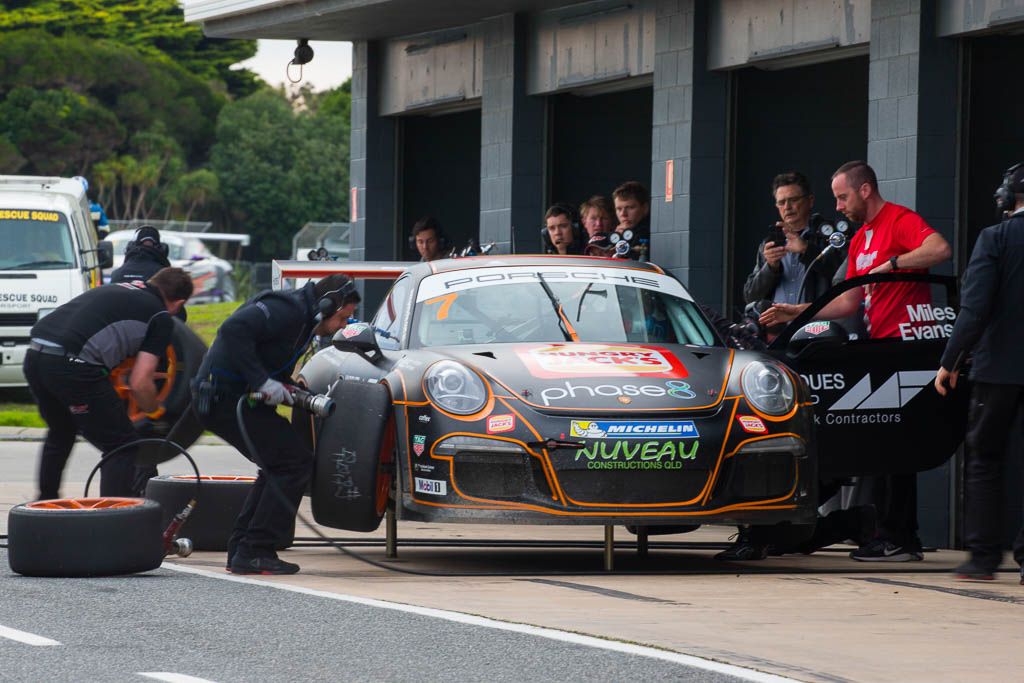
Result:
{"points": [[875, 406]]}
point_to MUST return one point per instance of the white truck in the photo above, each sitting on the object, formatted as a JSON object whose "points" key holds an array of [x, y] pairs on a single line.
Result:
{"points": [[49, 253]]}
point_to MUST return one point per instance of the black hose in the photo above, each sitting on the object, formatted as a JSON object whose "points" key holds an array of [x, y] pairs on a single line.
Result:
{"points": [[167, 442]]}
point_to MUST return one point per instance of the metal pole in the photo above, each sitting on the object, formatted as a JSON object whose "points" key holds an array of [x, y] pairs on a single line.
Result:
{"points": [[391, 532], [641, 542], [609, 548]]}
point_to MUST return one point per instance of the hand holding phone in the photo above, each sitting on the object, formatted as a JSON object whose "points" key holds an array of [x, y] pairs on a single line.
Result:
{"points": [[776, 236]]}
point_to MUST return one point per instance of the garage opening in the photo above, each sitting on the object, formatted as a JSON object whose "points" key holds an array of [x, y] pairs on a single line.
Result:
{"points": [[440, 176], [993, 140], [597, 142], [810, 119]]}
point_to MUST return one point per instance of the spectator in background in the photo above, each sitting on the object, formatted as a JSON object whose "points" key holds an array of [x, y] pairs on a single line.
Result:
{"points": [[781, 269], [428, 239], [990, 326], [596, 214], [99, 216], [561, 233], [632, 209], [892, 238]]}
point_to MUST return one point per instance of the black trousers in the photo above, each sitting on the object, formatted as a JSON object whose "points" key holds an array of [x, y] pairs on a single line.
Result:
{"points": [[895, 499], [267, 516], [992, 415], [78, 398]]}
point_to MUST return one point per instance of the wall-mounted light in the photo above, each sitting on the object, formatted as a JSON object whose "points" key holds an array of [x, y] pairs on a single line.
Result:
{"points": [[303, 55]]}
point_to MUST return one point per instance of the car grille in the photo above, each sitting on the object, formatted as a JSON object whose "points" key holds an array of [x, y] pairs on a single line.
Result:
{"points": [[490, 475], [18, 319], [633, 487]]}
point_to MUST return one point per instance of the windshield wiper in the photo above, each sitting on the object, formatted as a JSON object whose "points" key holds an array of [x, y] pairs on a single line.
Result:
{"points": [[600, 292], [563, 324], [38, 264]]}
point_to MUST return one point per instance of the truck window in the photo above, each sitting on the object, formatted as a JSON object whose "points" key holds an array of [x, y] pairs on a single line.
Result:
{"points": [[35, 240]]}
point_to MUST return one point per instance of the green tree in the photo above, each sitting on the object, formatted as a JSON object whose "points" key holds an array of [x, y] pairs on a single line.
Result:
{"points": [[281, 165], [156, 27], [59, 132]]}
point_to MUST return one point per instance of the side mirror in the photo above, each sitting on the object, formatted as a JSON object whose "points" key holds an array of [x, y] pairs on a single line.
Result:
{"points": [[358, 338], [105, 253], [819, 335]]}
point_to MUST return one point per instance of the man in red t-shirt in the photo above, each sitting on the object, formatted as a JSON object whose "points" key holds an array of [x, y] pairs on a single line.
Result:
{"points": [[892, 237]]}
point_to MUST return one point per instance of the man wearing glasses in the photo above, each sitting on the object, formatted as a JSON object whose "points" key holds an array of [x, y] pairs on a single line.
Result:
{"points": [[784, 258]]}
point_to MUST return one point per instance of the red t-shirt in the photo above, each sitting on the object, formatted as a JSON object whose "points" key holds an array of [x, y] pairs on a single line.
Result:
{"points": [[895, 231]]}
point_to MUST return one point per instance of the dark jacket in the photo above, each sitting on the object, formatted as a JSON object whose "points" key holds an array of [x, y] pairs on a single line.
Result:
{"points": [[991, 319], [263, 338], [140, 263], [762, 282]]}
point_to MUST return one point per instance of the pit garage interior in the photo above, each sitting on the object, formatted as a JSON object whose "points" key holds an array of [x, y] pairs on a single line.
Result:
{"points": [[712, 100]]}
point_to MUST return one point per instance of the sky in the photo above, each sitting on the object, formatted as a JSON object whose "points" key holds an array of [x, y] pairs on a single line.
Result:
{"points": [[331, 65]]}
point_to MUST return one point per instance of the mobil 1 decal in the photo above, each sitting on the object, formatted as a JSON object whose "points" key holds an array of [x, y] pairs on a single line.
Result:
{"points": [[857, 398], [628, 445]]}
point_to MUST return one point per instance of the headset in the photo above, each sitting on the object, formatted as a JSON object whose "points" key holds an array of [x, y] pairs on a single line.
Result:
{"points": [[1004, 195], [159, 246], [331, 301], [430, 224], [564, 209]]}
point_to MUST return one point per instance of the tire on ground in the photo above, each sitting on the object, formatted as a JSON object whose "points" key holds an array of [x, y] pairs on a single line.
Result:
{"points": [[85, 542], [353, 459], [218, 506]]}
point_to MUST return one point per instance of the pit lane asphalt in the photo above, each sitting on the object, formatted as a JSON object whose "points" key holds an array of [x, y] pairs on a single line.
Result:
{"points": [[111, 629]]}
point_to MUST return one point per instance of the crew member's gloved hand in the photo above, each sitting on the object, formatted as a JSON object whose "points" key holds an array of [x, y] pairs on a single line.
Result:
{"points": [[275, 393]]}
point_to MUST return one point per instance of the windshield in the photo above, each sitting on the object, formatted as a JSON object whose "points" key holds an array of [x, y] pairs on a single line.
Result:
{"points": [[491, 305], [35, 240]]}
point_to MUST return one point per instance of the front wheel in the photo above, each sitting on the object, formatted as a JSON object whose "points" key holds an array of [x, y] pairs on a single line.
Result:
{"points": [[354, 459]]}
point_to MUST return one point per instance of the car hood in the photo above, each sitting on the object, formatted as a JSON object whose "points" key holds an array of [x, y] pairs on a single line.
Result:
{"points": [[560, 377]]}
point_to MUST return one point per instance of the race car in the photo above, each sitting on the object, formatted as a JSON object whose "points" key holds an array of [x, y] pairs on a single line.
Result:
{"points": [[554, 390]]}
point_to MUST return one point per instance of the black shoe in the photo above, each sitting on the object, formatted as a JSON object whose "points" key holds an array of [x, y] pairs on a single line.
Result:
{"points": [[881, 550], [743, 549], [267, 566], [1022, 575], [972, 570]]}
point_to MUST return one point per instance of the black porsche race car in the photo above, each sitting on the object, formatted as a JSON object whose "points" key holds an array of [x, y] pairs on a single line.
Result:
{"points": [[556, 390]]}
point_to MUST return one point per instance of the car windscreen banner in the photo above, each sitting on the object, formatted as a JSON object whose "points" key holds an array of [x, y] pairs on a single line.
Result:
{"points": [[472, 278]]}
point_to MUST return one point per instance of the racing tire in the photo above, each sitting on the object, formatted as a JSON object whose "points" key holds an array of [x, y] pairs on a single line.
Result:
{"points": [[220, 502], [353, 462], [173, 380], [75, 537]]}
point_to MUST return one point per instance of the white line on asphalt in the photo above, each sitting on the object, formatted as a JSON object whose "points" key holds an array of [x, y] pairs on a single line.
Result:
{"points": [[25, 637], [539, 631], [172, 677]]}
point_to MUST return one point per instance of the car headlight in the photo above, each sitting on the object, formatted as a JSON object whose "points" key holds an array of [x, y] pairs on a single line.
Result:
{"points": [[768, 388], [455, 388], [43, 312]]}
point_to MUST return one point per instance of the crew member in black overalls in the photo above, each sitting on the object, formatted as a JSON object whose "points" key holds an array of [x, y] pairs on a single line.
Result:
{"points": [[256, 350], [143, 256], [990, 328], [71, 353]]}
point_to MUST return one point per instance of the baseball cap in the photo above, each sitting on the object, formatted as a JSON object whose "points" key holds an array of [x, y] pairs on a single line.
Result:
{"points": [[147, 232]]}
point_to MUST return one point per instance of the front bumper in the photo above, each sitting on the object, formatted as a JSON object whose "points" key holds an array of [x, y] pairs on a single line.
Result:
{"points": [[728, 476]]}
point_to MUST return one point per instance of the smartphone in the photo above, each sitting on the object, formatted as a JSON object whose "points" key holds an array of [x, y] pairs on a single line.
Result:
{"points": [[776, 236]]}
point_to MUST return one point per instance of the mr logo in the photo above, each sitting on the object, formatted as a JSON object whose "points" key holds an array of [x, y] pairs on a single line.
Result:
{"points": [[893, 395]]}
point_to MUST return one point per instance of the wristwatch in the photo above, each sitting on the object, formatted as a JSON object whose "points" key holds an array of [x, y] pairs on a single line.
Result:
{"points": [[892, 262]]}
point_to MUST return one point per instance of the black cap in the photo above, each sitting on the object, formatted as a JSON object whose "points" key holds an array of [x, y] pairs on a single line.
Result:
{"points": [[147, 232]]}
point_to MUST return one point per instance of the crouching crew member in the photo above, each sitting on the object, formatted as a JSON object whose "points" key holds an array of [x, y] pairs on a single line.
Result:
{"points": [[256, 350], [71, 353]]}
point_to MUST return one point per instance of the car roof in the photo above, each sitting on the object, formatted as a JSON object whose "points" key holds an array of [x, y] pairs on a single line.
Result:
{"points": [[448, 265]]}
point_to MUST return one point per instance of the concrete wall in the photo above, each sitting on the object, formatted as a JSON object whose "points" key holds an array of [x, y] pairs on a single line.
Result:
{"points": [[588, 43], [743, 32], [958, 17], [443, 69]]}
